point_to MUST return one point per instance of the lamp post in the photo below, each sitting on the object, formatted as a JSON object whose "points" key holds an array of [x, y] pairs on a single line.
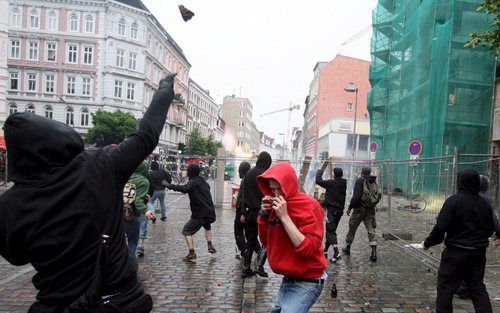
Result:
{"points": [[282, 146], [351, 87]]}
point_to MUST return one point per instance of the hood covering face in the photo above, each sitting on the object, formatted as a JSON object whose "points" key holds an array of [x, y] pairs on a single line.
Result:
{"points": [[38, 146], [243, 168], [284, 174], [193, 170], [365, 171], [155, 166], [468, 181], [483, 183], [264, 160]]}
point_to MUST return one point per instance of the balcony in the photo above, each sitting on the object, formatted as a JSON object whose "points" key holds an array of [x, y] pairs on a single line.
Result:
{"points": [[179, 100]]}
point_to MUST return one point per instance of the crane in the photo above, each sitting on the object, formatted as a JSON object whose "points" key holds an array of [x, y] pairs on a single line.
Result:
{"points": [[290, 108]]}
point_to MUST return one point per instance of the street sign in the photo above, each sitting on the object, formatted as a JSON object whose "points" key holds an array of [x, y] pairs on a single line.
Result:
{"points": [[373, 146], [415, 147]]}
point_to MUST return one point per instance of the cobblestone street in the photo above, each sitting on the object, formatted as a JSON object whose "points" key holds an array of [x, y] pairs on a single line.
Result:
{"points": [[398, 282]]}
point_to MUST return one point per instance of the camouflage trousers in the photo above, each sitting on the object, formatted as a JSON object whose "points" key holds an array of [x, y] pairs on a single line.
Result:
{"points": [[367, 216]]}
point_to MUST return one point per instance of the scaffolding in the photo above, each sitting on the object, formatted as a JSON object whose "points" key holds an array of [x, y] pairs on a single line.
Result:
{"points": [[426, 85]]}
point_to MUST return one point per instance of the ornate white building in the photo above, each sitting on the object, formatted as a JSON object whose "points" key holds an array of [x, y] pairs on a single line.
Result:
{"points": [[203, 112]]}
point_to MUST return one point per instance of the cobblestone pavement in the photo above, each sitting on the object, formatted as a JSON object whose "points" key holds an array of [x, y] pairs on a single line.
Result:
{"points": [[399, 282]]}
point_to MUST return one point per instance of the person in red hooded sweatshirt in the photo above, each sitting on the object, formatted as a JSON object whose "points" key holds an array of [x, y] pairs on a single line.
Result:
{"points": [[291, 228]]}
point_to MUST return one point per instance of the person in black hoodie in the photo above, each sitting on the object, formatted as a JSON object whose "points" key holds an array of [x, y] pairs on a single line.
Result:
{"points": [[362, 213], [335, 193], [64, 214], [465, 223], [202, 209], [239, 227], [251, 208]]}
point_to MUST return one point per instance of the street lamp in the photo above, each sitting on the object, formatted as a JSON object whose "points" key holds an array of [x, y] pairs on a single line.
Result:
{"points": [[283, 146], [351, 87]]}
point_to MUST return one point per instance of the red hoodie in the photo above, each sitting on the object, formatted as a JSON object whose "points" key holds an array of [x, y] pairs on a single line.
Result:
{"points": [[307, 260]]}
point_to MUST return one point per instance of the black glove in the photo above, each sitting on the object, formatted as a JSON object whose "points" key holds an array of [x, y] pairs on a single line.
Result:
{"points": [[165, 92]]}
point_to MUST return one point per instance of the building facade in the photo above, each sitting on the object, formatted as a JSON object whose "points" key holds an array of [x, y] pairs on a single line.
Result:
{"points": [[239, 136], [67, 59], [203, 112]]}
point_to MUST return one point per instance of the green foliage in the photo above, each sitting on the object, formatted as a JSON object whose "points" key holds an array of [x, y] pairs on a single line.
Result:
{"points": [[490, 39], [110, 127], [196, 144]]}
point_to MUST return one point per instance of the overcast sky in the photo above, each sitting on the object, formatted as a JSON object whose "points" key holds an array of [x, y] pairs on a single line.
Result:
{"points": [[266, 48]]}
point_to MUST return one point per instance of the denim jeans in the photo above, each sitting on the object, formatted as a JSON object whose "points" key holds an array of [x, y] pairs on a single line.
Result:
{"points": [[132, 231], [296, 297], [160, 195], [143, 232]]}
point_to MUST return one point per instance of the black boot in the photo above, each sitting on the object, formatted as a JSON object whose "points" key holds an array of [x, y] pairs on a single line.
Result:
{"points": [[247, 272], [347, 250], [373, 256]]}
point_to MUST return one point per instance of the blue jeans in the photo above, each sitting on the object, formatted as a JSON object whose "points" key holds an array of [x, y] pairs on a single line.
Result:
{"points": [[296, 297], [143, 232], [132, 231], [160, 195]]}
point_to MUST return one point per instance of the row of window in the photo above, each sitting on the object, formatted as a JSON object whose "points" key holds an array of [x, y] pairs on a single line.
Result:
{"points": [[119, 90], [52, 20], [168, 60], [122, 26], [75, 53], [48, 112], [121, 61], [202, 102], [80, 85]]}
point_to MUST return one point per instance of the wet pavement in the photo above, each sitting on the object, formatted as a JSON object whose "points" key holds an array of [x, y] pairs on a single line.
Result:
{"points": [[399, 282]]}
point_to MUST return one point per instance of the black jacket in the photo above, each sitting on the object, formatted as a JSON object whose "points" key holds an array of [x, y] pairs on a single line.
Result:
{"points": [[156, 176], [64, 199], [466, 218], [253, 196], [358, 190], [335, 191], [200, 198]]}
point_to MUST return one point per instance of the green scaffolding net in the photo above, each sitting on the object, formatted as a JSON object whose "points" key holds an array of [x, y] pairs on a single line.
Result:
{"points": [[426, 86]]}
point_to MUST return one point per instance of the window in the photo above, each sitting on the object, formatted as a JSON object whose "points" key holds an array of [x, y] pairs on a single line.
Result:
{"points": [[363, 142], [241, 124], [130, 91], [30, 108], [120, 57], [88, 55], [51, 51], [34, 19], [71, 86], [69, 116], [121, 27], [242, 114], [50, 83], [14, 81], [133, 31], [132, 60], [89, 24], [16, 18], [118, 88], [242, 104], [73, 22], [33, 50], [15, 49], [12, 108], [52, 21], [149, 40], [31, 82], [48, 112], [146, 70], [84, 117], [86, 84], [349, 107], [72, 53]]}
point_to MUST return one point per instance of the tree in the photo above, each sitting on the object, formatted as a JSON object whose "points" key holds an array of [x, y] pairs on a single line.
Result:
{"points": [[490, 39], [196, 144], [110, 127]]}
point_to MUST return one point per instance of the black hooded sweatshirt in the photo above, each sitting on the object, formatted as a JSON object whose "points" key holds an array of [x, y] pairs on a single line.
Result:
{"points": [[157, 175], [65, 199], [466, 218], [200, 199], [358, 188], [253, 195], [242, 171], [335, 191]]}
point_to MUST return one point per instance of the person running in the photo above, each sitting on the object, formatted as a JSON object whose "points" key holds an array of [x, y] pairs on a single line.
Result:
{"points": [[251, 208], [202, 209], [465, 223], [291, 230], [334, 203], [64, 214]]}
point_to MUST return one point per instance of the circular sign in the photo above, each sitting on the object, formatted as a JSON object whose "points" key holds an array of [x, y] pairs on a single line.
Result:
{"points": [[415, 147], [373, 146]]}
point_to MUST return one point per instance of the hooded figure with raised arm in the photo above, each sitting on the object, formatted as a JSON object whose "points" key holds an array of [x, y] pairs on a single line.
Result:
{"points": [[64, 214]]}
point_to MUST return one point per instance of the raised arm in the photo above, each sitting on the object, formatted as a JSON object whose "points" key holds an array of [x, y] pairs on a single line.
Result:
{"points": [[130, 153]]}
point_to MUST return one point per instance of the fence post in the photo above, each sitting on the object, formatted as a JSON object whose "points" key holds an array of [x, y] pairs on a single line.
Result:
{"points": [[219, 184], [455, 169]]}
